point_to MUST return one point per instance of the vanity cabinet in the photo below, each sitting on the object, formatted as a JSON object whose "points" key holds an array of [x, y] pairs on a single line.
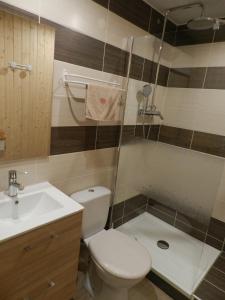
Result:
{"points": [[42, 264]]}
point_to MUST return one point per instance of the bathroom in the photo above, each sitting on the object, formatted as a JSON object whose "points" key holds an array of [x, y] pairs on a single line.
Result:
{"points": [[120, 199]]}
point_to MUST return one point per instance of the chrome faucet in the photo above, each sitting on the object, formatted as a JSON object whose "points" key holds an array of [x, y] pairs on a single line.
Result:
{"points": [[14, 186]]}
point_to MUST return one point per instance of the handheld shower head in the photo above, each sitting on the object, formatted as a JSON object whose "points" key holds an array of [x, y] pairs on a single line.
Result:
{"points": [[144, 93], [147, 90]]}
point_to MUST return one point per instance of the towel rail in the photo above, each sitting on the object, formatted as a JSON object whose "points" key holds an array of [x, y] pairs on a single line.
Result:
{"points": [[66, 81]]}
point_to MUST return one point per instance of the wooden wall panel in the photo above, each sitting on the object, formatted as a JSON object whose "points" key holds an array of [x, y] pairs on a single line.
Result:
{"points": [[25, 97]]}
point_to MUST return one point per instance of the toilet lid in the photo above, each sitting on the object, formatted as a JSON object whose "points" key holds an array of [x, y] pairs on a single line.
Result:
{"points": [[120, 255]]}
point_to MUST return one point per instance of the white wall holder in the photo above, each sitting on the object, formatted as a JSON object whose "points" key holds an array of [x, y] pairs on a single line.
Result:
{"points": [[15, 66]]}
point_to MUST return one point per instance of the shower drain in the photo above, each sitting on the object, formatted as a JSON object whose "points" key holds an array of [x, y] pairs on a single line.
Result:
{"points": [[163, 245]]}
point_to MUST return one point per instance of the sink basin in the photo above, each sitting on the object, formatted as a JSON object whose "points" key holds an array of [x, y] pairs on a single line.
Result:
{"points": [[28, 207], [35, 206]]}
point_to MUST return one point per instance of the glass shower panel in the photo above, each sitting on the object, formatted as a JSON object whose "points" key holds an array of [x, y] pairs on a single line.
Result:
{"points": [[157, 163]]}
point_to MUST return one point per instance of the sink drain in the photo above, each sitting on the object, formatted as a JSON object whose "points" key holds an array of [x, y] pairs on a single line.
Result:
{"points": [[163, 245]]}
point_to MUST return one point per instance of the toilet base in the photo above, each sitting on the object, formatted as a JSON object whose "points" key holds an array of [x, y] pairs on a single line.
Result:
{"points": [[110, 293]]}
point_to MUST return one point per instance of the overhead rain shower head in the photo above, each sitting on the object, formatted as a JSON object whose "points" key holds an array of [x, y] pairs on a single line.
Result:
{"points": [[200, 23], [204, 23]]}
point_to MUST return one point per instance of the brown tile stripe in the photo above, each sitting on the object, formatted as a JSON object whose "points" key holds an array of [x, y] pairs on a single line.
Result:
{"points": [[78, 49], [129, 209], [175, 136], [207, 78], [213, 286], [199, 141], [135, 11], [81, 138]]}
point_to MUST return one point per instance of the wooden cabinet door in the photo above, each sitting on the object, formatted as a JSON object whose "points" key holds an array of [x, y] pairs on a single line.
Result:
{"points": [[25, 97]]}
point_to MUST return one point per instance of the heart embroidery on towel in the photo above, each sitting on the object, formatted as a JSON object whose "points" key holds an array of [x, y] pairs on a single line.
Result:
{"points": [[103, 101]]}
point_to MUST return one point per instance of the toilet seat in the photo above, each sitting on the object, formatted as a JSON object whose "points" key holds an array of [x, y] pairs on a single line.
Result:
{"points": [[120, 255]]}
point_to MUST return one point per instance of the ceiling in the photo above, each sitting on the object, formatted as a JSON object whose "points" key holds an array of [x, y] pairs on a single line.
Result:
{"points": [[213, 8]]}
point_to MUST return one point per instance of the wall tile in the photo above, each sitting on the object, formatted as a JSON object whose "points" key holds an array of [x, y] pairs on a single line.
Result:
{"points": [[116, 61], [142, 131], [210, 240], [133, 214], [161, 207], [156, 27], [128, 134], [191, 222], [217, 229], [199, 235], [120, 31], [159, 214], [107, 136], [104, 3], [193, 37], [154, 132], [156, 23], [135, 11], [217, 278], [137, 65], [72, 139], [163, 76], [186, 77], [220, 35], [134, 203], [209, 143], [118, 211], [149, 71], [175, 136], [207, 291], [220, 263], [215, 78], [76, 48]]}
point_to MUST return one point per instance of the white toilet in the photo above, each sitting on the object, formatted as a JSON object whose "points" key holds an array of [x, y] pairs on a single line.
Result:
{"points": [[120, 261]]}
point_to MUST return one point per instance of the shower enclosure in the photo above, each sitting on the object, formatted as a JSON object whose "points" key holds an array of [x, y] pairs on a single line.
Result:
{"points": [[165, 189]]}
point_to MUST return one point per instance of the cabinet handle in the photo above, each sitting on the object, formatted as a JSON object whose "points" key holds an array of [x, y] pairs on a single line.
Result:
{"points": [[51, 284]]}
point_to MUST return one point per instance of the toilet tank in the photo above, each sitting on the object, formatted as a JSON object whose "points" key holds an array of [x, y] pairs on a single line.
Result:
{"points": [[96, 202]]}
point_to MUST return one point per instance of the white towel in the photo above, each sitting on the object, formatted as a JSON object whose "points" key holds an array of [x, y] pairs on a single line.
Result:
{"points": [[103, 103]]}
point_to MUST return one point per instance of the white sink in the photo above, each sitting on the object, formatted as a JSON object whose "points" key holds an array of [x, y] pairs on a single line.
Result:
{"points": [[35, 206]]}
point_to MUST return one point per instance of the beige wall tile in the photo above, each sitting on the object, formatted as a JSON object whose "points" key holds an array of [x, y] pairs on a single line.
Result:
{"points": [[217, 55], [84, 16], [119, 30], [33, 6], [191, 56], [64, 169], [195, 109]]}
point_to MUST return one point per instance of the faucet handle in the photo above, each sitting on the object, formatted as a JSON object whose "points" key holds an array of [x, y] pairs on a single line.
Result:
{"points": [[12, 176]]}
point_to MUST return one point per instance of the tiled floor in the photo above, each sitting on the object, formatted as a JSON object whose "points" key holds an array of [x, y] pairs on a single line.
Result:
{"points": [[143, 291]]}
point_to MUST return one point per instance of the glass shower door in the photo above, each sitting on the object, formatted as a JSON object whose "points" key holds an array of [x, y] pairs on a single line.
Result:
{"points": [[164, 189]]}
